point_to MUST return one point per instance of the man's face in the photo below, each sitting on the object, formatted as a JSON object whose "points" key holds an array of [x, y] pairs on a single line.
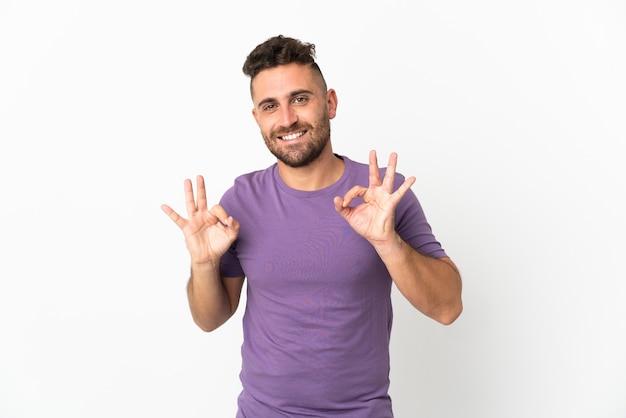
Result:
{"points": [[293, 112]]}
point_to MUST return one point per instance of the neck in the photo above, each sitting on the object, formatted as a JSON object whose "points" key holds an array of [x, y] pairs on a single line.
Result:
{"points": [[321, 173]]}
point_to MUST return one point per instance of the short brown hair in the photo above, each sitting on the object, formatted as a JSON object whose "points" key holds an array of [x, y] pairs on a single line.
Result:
{"points": [[280, 50]]}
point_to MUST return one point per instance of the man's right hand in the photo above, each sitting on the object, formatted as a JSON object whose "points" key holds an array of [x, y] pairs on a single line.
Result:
{"points": [[208, 233]]}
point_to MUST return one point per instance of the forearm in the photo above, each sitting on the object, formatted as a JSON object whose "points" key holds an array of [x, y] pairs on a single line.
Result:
{"points": [[208, 299], [433, 286]]}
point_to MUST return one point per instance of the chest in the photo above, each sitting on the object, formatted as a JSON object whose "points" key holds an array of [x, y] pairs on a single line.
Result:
{"points": [[307, 245]]}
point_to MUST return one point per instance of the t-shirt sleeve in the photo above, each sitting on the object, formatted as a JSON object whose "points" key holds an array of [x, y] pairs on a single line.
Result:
{"points": [[413, 227], [229, 264]]}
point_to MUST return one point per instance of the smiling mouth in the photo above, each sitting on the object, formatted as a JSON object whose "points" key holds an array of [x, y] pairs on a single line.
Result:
{"points": [[291, 136]]}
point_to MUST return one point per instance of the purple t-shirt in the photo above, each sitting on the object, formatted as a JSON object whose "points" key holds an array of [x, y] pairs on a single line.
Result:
{"points": [[318, 313]]}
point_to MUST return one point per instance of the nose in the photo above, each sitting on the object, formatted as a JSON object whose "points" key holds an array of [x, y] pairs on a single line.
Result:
{"points": [[288, 116]]}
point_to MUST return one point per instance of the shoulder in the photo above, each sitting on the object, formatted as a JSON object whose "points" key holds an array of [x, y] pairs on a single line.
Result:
{"points": [[360, 171], [252, 181], [256, 178], [249, 191]]}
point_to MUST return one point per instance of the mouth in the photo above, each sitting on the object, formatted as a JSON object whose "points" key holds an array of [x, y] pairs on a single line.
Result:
{"points": [[291, 136]]}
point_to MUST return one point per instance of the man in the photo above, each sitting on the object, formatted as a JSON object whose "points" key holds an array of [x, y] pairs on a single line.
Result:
{"points": [[320, 252]]}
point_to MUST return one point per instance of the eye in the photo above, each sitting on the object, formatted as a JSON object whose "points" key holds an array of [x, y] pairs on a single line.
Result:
{"points": [[270, 107], [300, 100]]}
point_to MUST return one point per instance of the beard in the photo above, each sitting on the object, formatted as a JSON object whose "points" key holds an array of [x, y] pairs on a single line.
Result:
{"points": [[304, 153]]}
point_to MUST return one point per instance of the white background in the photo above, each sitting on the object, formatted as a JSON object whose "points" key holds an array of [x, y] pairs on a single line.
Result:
{"points": [[510, 114]]}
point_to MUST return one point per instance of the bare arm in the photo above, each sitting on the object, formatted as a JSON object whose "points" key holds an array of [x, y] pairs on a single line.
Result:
{"points": [[212, 299], [208, 235], [433, 286]]}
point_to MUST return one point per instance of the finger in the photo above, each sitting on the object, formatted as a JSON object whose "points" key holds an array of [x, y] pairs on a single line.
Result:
{"points": [[339, 206], [190, 202], [404, 187], [202, 206], [374, 172], [174, 216], [219, 212], [343, 208], [225, 220], [231, 223], [356, 191], [390, 173]]}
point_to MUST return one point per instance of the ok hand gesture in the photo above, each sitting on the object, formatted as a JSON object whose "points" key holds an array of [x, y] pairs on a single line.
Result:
{"points": [[208, 233], [374, 219]]}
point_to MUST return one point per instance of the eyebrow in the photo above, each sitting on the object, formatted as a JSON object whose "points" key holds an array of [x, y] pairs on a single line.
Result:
{"points": [[291, 95]]}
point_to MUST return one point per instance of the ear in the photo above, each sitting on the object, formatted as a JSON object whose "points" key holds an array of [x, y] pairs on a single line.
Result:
{"points": [[256, 116], [331, 102]]}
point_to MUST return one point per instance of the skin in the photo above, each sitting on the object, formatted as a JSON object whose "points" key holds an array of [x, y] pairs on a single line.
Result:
{"points": [[290, 100], [293, 112]]}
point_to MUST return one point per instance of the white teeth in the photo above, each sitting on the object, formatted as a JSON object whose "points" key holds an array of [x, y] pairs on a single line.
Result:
{"points": [[291, 137]]}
